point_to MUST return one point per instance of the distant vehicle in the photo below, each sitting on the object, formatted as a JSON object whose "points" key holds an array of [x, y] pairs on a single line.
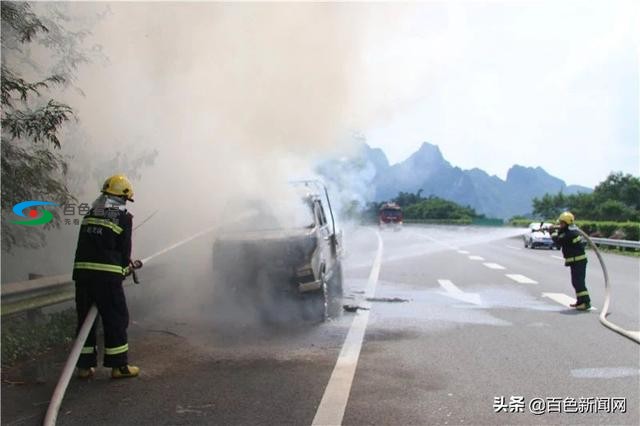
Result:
{"points": [[283, 259], [538, 237], [390, 215]]}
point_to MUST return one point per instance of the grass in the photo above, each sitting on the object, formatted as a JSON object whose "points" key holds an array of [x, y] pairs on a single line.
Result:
{"points": [[24, 338]]}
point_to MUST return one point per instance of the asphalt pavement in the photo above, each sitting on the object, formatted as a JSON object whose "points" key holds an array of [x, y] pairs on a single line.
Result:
{"points": [[459, 325]]}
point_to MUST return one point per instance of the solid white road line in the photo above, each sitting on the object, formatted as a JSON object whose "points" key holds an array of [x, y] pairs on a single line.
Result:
{"points": [[493, 265], [463, 252], [521, 279], [453, 291], [563, 299], [336, 394], [476, 258]]}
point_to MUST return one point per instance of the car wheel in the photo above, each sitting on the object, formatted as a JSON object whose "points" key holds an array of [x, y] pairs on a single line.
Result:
{"points": [[315, 303]]}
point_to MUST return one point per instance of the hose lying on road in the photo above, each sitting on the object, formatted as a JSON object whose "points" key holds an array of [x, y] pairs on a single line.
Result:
{"points": [[607, 297], [58, 394]]}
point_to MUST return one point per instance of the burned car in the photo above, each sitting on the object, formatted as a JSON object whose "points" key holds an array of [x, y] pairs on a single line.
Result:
{"points": [[282, 260]]}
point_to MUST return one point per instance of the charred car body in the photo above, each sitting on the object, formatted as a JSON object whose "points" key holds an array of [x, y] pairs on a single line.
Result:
{"points": [[283, 259]]}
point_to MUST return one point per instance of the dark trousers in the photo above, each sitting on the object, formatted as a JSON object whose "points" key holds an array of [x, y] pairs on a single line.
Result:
{"points": [[578, 273], [108, 296]]}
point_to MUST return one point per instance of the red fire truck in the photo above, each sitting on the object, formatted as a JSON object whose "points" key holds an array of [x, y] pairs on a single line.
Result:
{"points": [[390, 216]]}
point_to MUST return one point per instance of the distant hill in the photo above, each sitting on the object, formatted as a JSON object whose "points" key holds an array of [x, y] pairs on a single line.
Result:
{"points": [[373, 178]]}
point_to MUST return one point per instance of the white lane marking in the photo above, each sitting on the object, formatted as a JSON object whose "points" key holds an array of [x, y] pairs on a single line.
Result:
{"points": [[336, 394], [605, 372], [557, 257], [521, 279], [563, 299], [463, 252], [514, 247], [493, 265], [453, 291], [476, 258]]}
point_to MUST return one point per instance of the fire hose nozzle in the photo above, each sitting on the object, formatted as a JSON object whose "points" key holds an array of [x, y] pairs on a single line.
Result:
{"points": [[133, 265]]}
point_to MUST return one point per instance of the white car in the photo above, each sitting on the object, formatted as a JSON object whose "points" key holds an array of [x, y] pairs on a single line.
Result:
{"points": [[538, 237]]}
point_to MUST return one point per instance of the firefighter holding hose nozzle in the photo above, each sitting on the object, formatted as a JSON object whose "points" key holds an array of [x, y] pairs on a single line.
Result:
{"points": [[102, 260], [566, 235]]}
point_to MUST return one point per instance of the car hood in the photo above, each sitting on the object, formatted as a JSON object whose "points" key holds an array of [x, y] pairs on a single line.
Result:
{"points": [[266, 235]]}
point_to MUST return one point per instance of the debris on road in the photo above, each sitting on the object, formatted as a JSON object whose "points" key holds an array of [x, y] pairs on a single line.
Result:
{"points": [[387, 299], [353, 308]]}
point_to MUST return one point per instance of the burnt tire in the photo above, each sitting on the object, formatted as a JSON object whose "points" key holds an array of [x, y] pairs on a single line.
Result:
{"points": [[315, 304], [335, 292]]}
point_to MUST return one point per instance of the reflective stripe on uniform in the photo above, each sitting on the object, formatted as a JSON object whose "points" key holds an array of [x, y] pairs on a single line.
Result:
{"points": [[102, 222], [576, 239], [99, 267], [88, 350], [118, 350], [582, 293], [575, 259]]}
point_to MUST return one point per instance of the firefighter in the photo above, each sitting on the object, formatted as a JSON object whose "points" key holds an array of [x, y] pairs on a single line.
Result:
{"points": [[569, 239], [101, 263]]}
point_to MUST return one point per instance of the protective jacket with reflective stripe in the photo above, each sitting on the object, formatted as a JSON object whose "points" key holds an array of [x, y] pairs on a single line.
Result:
{"points": [[572, 245], [104, 244]]}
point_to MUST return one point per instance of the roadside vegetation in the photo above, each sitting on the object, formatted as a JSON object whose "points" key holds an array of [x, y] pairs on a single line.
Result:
{"points": [[417, 208], [612, 210]]}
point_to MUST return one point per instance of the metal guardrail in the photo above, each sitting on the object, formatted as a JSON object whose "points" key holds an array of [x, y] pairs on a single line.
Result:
{"points": [[34, 294], [616, 243], [46, 291]]}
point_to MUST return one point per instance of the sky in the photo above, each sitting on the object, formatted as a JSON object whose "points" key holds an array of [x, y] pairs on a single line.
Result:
{"points": [[537, 83], [263, 88]]}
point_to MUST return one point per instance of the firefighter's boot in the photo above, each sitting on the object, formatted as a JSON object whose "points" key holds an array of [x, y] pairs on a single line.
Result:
{"points": [[86, 373], [125, 371], [584, 306]]}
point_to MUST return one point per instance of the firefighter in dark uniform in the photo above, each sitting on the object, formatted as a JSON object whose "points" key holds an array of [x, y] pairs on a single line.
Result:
{"points": [[569, 239], [101, 264]]}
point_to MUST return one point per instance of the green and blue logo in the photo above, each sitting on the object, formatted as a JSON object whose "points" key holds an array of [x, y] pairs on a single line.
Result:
{"points": [[45, 215]]}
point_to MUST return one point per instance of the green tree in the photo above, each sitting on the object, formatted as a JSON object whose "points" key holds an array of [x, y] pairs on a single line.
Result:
{"points": [[617, 198], [404, 199], [438, 208], [32, 167], [619, 187], [549, 206]]}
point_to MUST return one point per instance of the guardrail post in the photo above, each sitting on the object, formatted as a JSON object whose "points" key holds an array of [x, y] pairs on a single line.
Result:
{"points": [[34, 315]]}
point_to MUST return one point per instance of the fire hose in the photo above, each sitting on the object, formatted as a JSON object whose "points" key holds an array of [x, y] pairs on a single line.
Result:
{"points": [[607, 296], [65, 377]]}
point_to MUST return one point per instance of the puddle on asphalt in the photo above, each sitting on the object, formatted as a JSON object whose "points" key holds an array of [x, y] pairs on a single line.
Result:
{"points": [[434, 305]]}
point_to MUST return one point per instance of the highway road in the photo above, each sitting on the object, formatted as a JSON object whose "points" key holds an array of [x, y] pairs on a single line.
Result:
{"points": [[458, 326]]}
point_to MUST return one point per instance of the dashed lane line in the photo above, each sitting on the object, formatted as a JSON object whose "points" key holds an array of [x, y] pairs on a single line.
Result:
{"points": [[514, 247], [336, 394], [493, 265], [521, 279], [476, 258], [463, 252], [453, 291], [556, 257]]}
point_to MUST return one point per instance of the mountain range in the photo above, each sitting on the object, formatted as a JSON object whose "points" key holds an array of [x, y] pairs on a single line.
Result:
{"points": [[369, 174]]}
